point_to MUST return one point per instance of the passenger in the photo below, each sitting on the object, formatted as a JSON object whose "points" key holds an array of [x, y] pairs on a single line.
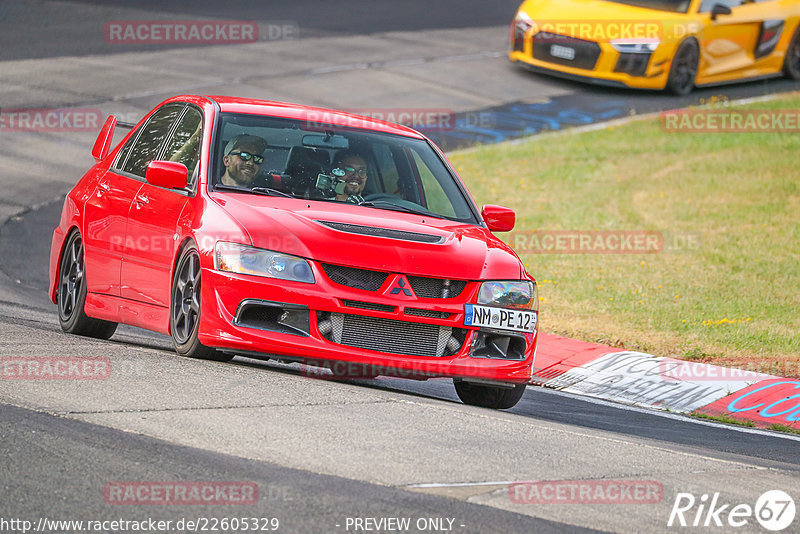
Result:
{"points": [[355, 177], [243, 156]]}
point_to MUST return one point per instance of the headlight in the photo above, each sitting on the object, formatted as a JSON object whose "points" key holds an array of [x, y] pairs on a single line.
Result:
{"points": [[523, 21], [635, 46], [518, 294], [242, 259]]}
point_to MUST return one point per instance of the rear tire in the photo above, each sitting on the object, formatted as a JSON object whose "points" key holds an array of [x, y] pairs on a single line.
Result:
{"points": [[496, 397], [185, 309], [791, 64], [683, 71], [71, 294]]}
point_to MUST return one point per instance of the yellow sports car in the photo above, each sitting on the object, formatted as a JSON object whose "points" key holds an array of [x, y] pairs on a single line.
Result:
{"points": [[658, 44]]}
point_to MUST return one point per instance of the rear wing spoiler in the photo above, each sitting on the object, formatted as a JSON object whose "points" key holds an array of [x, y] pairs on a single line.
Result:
{"points": [[102, 145]]}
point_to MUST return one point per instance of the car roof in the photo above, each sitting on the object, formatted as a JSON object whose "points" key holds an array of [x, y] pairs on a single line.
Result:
{"points": [[311, 114]]}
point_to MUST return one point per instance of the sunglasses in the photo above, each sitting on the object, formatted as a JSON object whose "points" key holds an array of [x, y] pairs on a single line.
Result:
{"points": [[351, 170], [258, 160]]}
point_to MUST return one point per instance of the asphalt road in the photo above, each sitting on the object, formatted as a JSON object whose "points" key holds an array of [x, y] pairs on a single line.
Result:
{"points": [[319, 451], [49, 28], [58, 468]]}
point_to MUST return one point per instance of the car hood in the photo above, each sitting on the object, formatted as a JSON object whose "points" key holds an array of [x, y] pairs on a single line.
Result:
{"points": [[332, 232]]}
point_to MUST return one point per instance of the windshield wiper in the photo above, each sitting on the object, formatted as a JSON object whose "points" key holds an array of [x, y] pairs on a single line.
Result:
{"points": [[271, 191], [267, 191], [386, 205]]}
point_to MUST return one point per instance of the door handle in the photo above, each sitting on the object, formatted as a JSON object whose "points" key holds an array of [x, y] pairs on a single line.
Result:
{"points": [[141, 200], [103, 188]]}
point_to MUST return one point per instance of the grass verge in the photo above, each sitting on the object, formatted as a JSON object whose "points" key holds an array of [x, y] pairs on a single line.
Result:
{"points": [[726, 419], [724, 287]]}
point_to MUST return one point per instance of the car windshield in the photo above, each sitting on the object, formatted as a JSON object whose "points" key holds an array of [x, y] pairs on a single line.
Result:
{"points": [[673, 6], [318, 161]]}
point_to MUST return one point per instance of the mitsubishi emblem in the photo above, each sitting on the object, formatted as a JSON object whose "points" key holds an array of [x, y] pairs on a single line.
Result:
{"points": [[401, 286]]}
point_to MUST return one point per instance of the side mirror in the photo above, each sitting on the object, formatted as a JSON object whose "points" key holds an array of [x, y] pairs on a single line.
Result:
{"points": [[103, 144], [719, 9], [168, 174], [498, 218]]}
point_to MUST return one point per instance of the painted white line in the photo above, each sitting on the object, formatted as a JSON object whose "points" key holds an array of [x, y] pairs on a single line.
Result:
{"points": [[676, 416], [340, 68], [407, 61], [470, 57]]}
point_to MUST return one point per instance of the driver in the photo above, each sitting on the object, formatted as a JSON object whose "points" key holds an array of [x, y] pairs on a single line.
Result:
{"points": [[355, 176], [243, 156]]}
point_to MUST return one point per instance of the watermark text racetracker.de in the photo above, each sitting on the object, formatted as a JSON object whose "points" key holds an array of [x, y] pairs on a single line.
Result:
{"points": [[54, 368], [601, 242], [50, 120], [720, 120], [344, 370], [181, 493], [615, 31], [197, 32], [687, 371], [586, 492], [427, 120]]}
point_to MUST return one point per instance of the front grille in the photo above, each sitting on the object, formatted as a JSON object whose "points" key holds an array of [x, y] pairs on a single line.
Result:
{"points": [[357, 278], [429, 288], [368, 305], [389, 335], [434, 288], [383, 232], [419, 312], [633, 64], [586, 52]]}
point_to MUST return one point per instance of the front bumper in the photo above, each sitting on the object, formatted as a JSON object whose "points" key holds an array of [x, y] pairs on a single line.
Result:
{"points": [[284, 319], [611, 67]]}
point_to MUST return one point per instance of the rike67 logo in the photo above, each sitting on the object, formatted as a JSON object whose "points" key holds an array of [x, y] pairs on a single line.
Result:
{"points": [[774, 510]]}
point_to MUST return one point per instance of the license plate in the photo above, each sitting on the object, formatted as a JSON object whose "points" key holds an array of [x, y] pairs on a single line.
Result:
{"points": [[501, 318], [564, 52]]}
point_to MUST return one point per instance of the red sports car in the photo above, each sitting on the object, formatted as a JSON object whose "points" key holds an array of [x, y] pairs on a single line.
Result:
{"points": [[275, 230]]}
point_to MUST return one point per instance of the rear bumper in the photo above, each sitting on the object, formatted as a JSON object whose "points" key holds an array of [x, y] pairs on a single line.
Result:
{"points": [[221, 327]]}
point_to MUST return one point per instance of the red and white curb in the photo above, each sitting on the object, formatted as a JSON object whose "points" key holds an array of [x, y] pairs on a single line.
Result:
{"points": [[665, 383]]}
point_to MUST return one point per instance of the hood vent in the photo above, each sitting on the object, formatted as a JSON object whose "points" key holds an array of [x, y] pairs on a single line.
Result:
{"points": [[383, 232]]}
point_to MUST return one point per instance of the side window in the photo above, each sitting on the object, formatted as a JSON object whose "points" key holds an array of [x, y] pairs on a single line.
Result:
{"points": [[184, 145], [151, 138], [707, 5], [123, 154]]}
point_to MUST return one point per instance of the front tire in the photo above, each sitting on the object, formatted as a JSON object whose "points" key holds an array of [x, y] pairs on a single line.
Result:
{"points": [[683, 71], [185, 309], [496, 397], [71, 297], [791, 64]]}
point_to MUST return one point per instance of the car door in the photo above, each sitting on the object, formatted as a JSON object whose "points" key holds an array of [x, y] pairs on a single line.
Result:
{"points": [[106, 212], [732, 44], [153, 219]]}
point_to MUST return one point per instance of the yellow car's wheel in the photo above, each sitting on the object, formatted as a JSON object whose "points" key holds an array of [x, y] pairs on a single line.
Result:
{"points": [[791, 64], [683, 71]]}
